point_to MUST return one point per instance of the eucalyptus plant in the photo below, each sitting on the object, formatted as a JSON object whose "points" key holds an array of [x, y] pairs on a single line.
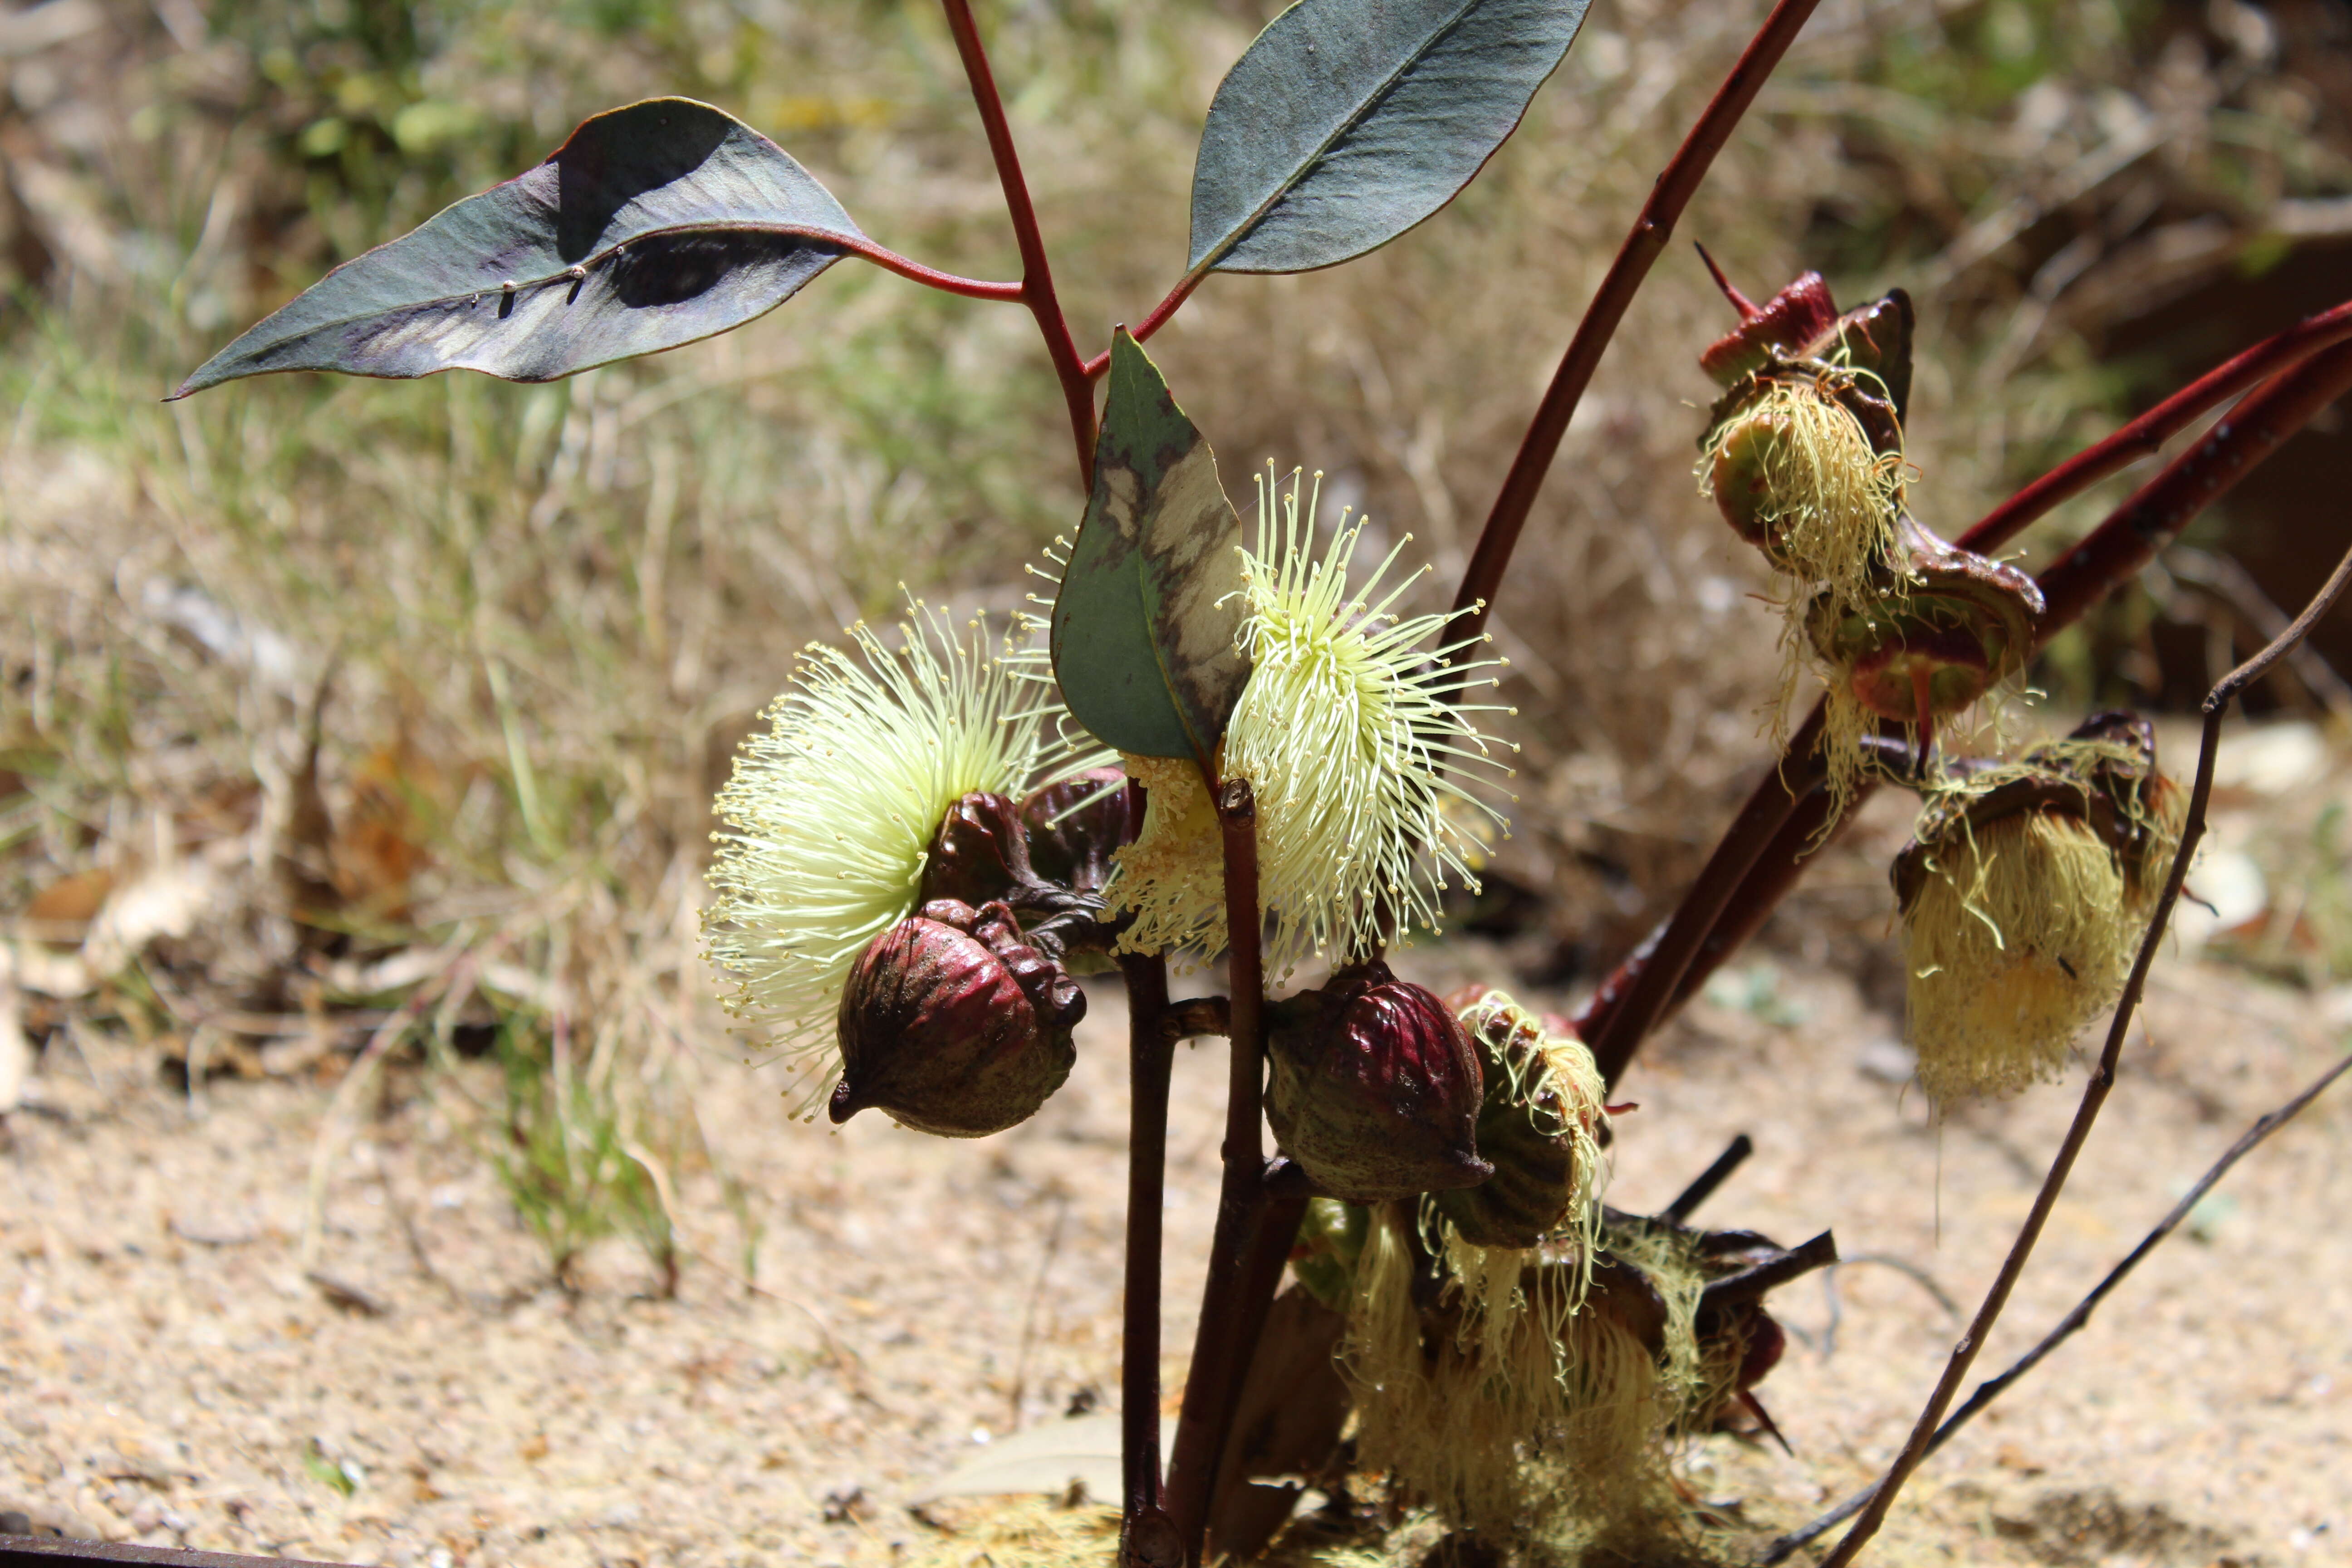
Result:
{"points": [[1231, 738]]}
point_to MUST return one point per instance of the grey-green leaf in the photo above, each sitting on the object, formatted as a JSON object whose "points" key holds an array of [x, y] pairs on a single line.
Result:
{"points": [[1349, 121], [653, 226], [1144, 629]]}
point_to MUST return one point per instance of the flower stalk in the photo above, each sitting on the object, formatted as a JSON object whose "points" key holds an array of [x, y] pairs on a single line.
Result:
{"points": [[1231, 1311]]}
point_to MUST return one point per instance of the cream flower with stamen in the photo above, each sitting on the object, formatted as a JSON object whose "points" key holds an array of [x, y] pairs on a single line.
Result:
{"points": [[1350, 735], [831, 812]]}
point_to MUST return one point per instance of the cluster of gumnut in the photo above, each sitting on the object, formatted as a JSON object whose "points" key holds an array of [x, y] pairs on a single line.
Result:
{"points": [[958, 1020]]}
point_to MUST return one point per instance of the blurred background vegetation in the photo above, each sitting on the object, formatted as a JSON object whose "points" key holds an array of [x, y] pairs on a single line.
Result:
{"points": [[383, 670]]}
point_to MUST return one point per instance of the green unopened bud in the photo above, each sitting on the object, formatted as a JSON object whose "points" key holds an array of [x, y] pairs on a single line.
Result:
{"points": [[1375, 1090], [1804, 461], [1324, 1254], [952, 1025]]}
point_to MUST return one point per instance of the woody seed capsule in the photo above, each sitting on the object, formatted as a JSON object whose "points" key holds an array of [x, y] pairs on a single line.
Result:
{"points": [[953, 1026], [1375, 1088]]}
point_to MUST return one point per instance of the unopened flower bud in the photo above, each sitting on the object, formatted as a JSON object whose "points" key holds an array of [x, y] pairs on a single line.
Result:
{"points": [[1323, 1255], [1375, 1088], [1537, 1127], [1075, 826], [952, 1025]]}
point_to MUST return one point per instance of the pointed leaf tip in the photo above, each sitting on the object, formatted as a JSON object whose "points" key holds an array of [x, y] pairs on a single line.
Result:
{"points": [[1144, 629], [653, 226]]}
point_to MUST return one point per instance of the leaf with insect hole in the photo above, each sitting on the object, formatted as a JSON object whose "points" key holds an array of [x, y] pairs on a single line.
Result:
{"points": [[653, 226], [1144, 625], [1349, 121]]}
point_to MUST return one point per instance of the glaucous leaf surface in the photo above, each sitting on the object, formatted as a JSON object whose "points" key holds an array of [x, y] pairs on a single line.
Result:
{"points": [[1349, 121], [653, 226], [1143, 629]]}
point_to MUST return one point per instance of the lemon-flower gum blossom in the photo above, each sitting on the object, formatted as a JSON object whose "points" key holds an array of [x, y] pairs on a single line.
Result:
{"points": [[1349, 735], [831, 812]]}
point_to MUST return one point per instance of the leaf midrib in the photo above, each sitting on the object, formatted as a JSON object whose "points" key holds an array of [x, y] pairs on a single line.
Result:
{"points": [[1238, 232], [807, 231]]}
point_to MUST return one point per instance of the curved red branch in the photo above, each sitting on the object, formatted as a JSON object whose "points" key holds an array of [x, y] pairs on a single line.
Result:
{"points": [[931, 277], [1677, 183], [2157, 425]]}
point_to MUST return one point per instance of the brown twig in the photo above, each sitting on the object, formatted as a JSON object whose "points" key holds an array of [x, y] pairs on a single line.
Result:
{"points": [[1222, 1346], [1036, 275], [1677, 183], [1702, 1186], [2102, 1076], [1993, 1389], [1712, 922]]}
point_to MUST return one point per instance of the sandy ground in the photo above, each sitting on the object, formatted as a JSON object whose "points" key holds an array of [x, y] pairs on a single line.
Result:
{"points": [[168, 1376]]}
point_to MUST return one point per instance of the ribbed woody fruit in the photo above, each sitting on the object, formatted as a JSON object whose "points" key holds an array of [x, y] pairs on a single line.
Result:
{"points": [[952, 1025], [1374, 1090]]}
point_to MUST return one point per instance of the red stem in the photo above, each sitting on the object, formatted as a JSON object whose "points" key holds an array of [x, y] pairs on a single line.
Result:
{"points": [[2157, 425], [2128, 540], [1144, 1525], [1676, 185], [1036, 276], [946, 283], [1152, 322], [1227, 1334]]}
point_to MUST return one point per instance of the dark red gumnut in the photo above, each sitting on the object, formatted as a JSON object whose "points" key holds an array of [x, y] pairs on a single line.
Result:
{"points": [[1962, 625], [953, 1025], [1375, 1090], [1076, 849]]}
